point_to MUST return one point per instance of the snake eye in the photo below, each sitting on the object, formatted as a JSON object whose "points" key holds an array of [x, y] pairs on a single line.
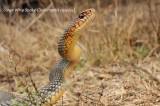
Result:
{"points": [[81, 16]]}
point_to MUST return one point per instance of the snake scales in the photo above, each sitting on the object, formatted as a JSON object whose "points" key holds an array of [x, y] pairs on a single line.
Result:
{"points": [[70, 53]]}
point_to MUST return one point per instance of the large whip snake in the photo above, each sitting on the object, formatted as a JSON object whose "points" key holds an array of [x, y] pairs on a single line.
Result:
{"points": [[70, 53]]}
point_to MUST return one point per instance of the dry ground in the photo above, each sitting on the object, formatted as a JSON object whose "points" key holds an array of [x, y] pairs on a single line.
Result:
{"points": [[120, 64]]}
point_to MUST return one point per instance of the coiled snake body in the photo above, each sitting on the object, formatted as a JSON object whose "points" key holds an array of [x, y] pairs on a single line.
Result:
{"points": [[70, 53]]}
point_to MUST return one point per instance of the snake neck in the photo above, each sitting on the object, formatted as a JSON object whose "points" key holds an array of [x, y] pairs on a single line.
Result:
{"points": [[67, 45]]}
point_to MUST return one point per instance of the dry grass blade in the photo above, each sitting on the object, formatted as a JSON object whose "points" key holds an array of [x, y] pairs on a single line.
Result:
{"points": [[120, 61]]}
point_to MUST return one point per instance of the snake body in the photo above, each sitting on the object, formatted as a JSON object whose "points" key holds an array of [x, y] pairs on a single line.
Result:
{"points": [[70, 53]]}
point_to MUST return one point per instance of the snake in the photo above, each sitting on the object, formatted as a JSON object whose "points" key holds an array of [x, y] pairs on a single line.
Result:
{"points": [[69, 52]]}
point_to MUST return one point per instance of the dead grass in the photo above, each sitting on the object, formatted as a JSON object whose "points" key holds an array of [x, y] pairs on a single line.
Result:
{"points": [[120, 64]]}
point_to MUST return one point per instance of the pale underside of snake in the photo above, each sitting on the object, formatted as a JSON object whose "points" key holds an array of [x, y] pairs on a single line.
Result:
{"points": [[70, 53]]}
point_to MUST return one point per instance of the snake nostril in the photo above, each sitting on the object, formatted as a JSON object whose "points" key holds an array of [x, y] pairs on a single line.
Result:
{"points": [[81, 15]]}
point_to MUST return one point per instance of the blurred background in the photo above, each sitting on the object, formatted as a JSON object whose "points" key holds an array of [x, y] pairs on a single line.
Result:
{"points": [[120, 62]]}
